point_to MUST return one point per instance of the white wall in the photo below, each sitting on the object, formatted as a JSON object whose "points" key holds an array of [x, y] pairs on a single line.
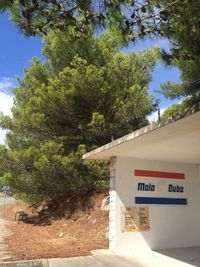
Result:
{"points": [[170, 225]]}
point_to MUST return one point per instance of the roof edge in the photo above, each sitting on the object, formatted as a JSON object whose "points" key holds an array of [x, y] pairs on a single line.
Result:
{"points": [[149, 128]]}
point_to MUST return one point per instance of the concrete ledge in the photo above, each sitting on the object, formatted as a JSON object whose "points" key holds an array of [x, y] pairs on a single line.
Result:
{"points": [[32, 263], [102, 252]]}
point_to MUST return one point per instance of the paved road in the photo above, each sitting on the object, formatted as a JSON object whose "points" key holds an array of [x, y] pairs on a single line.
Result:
{"points": [[6, 200], [3, 231], [89, 261], [104, 261], [95, 260]]}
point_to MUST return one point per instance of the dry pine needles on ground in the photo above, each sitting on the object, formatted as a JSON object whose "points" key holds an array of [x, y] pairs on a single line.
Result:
{"points": [[75, 236]]}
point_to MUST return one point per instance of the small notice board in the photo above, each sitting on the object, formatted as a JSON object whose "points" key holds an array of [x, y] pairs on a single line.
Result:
{"points": [[135, 218]]}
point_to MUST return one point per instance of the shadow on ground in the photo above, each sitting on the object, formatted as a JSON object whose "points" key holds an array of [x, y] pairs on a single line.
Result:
{"points": [[190, 255]]}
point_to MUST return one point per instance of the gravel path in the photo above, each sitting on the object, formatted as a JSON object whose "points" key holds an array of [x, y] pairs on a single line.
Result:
{"points": [[3, 233]]}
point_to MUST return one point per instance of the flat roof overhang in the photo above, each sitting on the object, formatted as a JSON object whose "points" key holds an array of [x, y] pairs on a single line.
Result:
{"points": [[173, 141]]}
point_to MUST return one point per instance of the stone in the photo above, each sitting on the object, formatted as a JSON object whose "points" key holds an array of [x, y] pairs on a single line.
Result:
{"points": [[61, 234], [105, 203]]}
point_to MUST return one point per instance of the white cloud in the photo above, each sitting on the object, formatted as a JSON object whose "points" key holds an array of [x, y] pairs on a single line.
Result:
{"points": [[6, 102], [7, 84], [2, 136], [6, 97], [154, 116]]}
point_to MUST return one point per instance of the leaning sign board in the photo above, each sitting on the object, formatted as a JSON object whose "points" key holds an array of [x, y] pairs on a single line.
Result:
{"points": [[159, 187]]}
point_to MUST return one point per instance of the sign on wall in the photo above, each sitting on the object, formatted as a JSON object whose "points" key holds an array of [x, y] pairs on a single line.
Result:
{"points": [[135, 218], [158, 187]]}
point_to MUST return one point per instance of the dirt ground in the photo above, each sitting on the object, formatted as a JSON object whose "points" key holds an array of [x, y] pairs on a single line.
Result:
{"points": [[77, 236]]}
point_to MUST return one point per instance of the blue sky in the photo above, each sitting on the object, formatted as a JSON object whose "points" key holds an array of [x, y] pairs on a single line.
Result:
{"points": [[16, 51]]}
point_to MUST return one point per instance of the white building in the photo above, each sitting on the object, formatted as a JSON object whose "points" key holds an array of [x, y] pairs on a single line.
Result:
{"points": [[154, 186]]}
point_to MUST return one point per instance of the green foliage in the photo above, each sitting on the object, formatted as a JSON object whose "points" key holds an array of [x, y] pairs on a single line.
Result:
{"points": [[101, 185], [60, 48], [67, 106], [179, 21], [172, 111], [39, 16], [190, 103], [182, 29]]}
